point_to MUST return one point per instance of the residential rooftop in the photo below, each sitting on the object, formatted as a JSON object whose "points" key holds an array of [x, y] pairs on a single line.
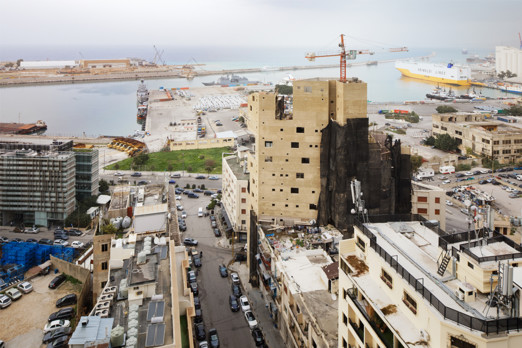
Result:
{"points": [[237, 169]]}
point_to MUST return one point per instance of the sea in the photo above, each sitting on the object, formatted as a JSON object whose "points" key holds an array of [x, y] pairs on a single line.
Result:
{"points": [[109, 108]]}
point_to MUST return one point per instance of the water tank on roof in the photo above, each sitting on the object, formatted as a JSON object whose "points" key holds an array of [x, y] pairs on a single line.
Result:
{"points": [[126, 222], [124, 292], [117, 222], [133, 315], [117, 336], [148, 239], [133, 332], [131, 342], [132, 324], [134, 308], [162, 241], [142, 257]]}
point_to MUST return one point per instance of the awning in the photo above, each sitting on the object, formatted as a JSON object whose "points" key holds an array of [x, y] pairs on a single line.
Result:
{"points": [[227, 220]]}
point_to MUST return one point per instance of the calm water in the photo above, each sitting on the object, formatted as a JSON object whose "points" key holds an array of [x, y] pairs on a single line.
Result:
{"points": [[109, 108]]}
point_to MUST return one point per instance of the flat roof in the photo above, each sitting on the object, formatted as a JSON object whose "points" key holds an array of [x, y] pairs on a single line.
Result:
{"points": [[97, 328], [236, 168], [143, 273], [151, 209], [493, 249], [305, 269]]}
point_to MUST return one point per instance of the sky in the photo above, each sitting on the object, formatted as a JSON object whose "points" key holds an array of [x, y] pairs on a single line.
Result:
{"points": [[261, 23]]}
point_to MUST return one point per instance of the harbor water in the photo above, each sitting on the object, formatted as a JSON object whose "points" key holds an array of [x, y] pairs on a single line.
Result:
{"points": [[109, 108]]}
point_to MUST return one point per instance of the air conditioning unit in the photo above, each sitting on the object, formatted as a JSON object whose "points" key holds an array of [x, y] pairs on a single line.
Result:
{"points": [[460, 295]]}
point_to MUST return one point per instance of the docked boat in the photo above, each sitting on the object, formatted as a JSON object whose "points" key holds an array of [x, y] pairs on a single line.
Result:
{"points": [[511, 89], [142, 95], [441, 94], [451, 73], [231, 80]]}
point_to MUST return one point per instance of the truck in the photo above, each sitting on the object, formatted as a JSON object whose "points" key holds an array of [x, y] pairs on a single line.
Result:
{"points": [[447, 169], [425, 173]]}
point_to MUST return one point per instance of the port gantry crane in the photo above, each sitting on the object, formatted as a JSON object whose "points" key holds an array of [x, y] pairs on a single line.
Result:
{"points": [[350, 54]]}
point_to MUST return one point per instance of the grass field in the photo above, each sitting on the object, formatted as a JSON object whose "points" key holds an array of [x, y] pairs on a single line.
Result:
{"points": [[192, 161]]}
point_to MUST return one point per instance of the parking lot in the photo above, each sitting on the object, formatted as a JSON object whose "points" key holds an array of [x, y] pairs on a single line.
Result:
{"points": [[23, 321]]}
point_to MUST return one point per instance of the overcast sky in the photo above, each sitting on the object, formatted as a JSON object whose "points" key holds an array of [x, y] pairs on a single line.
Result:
{"points": [[300, 23]]}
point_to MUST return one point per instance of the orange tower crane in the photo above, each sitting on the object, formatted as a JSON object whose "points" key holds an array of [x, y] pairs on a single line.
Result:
{"points": [[350, 54]]}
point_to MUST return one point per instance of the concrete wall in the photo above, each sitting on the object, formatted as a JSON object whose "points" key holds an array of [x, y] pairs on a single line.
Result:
{"points": [[71, 269], [430, 202], [199, 143]]}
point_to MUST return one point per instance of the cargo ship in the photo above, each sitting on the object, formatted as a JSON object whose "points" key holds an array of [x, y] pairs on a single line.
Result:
{"points": [[23, 128], [142, 95], [451, 74], [231, 80]]}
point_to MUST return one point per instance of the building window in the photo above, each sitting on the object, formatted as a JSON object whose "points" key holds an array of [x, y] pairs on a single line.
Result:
{"points": [[422, 199], [506, 142], [308, 89], [268, 159], [387, 279], [294, 190], [496, 142], [103, 284], [268, 144], [437, 199], [410, 302], [104, 266], [470, 265], [460, 343], [243, 211], [294, 145], [345, 319], [361, 244], [243, 200], [305, 160], [243, 222], [422, 211], [437, 212], [299, 175], [104, 247], [313, 207], [299, 129], [286, 205], [345, 344], [505, 152]]}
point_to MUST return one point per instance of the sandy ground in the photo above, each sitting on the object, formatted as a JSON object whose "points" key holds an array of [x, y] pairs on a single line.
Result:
{"points": [[23, 321]]}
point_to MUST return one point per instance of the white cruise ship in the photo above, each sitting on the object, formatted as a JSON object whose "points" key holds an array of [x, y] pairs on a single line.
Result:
{"points": [[450, 73]]}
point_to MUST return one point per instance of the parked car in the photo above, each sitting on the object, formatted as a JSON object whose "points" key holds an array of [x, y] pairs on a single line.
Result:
{"points": [[194, 288], [213, 338], [208, 193], [175, 175], [464, 211], [32, 230], [191, 276], [203, 344], [198, 190], [234, 277], [183, 214], [449, 203], [223, 271], [217, 232], [64, 313], [251, 320], [179, 190], [193, 195], [460, 175], [258, 336], [4, 239], [243, 302], [5, 301], [198, 315], [482, 182], [197, 303], [197, 261], [179, 207], [236, 290], [136, 175], [14, 294], [240, 257], [77, 244], [234, 305], [61, 242], [25, 287], [199, 331], [74, 232], [53, 335], [199, 177], [182, 227], [190, 241], [18, 240], [31, 240], [56, 324], [118, 174], [213, 178], [67, 300], [60, 342], [178, 198]]}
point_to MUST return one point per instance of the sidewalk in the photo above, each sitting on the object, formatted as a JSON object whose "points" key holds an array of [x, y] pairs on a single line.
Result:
{"points": [[259, 306]]}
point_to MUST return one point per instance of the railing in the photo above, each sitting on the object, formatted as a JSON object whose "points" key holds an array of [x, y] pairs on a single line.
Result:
{"points": [[482, 325], [359, 331]]}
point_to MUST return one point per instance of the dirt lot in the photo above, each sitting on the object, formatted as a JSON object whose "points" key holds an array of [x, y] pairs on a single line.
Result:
{"points": [[23, 321]]}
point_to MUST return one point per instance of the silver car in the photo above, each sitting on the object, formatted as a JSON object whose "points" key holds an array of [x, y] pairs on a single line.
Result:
{"points": [[4, 301]]}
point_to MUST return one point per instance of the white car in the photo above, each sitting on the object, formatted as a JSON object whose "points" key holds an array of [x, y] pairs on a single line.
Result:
{"points": [[234, 277], [449, 203], [56, 324], [61, 242], [252, 322], [178, 198], [77, 244], [443, 177], [214, 196], [468, 173], [25, 287], [446, 181], [118, 174], [179, 207], [32, 230], [243, 302], [5, 301], [183, 214]]}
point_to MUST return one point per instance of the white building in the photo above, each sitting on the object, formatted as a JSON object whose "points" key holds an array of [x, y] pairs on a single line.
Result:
{"points": [[48, 64], [508, 58], [235, 194]]}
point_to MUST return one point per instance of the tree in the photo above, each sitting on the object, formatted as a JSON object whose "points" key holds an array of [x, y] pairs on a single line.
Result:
{"points": [[416, 162], [469, 151], [283, 89], [141, 159], [108, 229], [430, 141], [445, 142], [444, 109], [170, 167], [104, 186], [116, 166], [514, 110]]}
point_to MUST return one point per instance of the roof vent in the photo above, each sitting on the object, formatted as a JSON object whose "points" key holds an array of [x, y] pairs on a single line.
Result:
{"points": [[84, 322]]}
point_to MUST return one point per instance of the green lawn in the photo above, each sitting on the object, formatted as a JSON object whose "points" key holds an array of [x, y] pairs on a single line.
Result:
{"points": [[184, 331], [188, 160]]}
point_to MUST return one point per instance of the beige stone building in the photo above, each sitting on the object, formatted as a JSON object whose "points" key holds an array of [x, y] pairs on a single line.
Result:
{"points": [[486, 137], [285, 166], [402, 284], [430, 202], [235, 194]]}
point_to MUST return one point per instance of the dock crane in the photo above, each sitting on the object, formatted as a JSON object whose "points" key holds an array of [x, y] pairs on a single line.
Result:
{"points": [[158, 56], [348, 54]]}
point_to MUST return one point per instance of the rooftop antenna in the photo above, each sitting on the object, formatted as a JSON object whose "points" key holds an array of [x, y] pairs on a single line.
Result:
{"points": [[360, 210]]}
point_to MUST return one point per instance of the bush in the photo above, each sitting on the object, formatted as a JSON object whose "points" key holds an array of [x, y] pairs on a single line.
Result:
{"points": [[416, 162], [104, 186], [283, 89], [462, 167], [444, 109], [430, 141], [514, 111], [445, 142]]}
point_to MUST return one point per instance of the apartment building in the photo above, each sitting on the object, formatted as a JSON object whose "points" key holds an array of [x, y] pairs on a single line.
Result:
{"points": [[36, 187], [492, 139], [430, 202], [299, 283], [403, 284], [87, 172], [235, 196]]}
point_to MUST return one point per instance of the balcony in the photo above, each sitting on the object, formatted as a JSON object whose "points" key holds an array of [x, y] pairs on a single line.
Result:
{"points": [[358, 330]]}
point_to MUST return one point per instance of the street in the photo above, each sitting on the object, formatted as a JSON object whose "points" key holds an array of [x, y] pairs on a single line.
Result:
{"points": [[214, 290]]}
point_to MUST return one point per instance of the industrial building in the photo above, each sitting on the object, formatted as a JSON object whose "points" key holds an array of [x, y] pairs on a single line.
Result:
{"points": [[235, 196], [404, 284], [430, 202], [48, 64], [508, 58], [492, 139]]}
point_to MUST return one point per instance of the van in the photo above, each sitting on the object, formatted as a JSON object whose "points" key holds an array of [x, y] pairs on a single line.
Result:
{"points": [[200, 212]]}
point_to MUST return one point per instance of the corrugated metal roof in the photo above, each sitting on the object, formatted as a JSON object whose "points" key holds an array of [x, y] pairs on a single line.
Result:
{"points": [[97, 329], [151, 209]]}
